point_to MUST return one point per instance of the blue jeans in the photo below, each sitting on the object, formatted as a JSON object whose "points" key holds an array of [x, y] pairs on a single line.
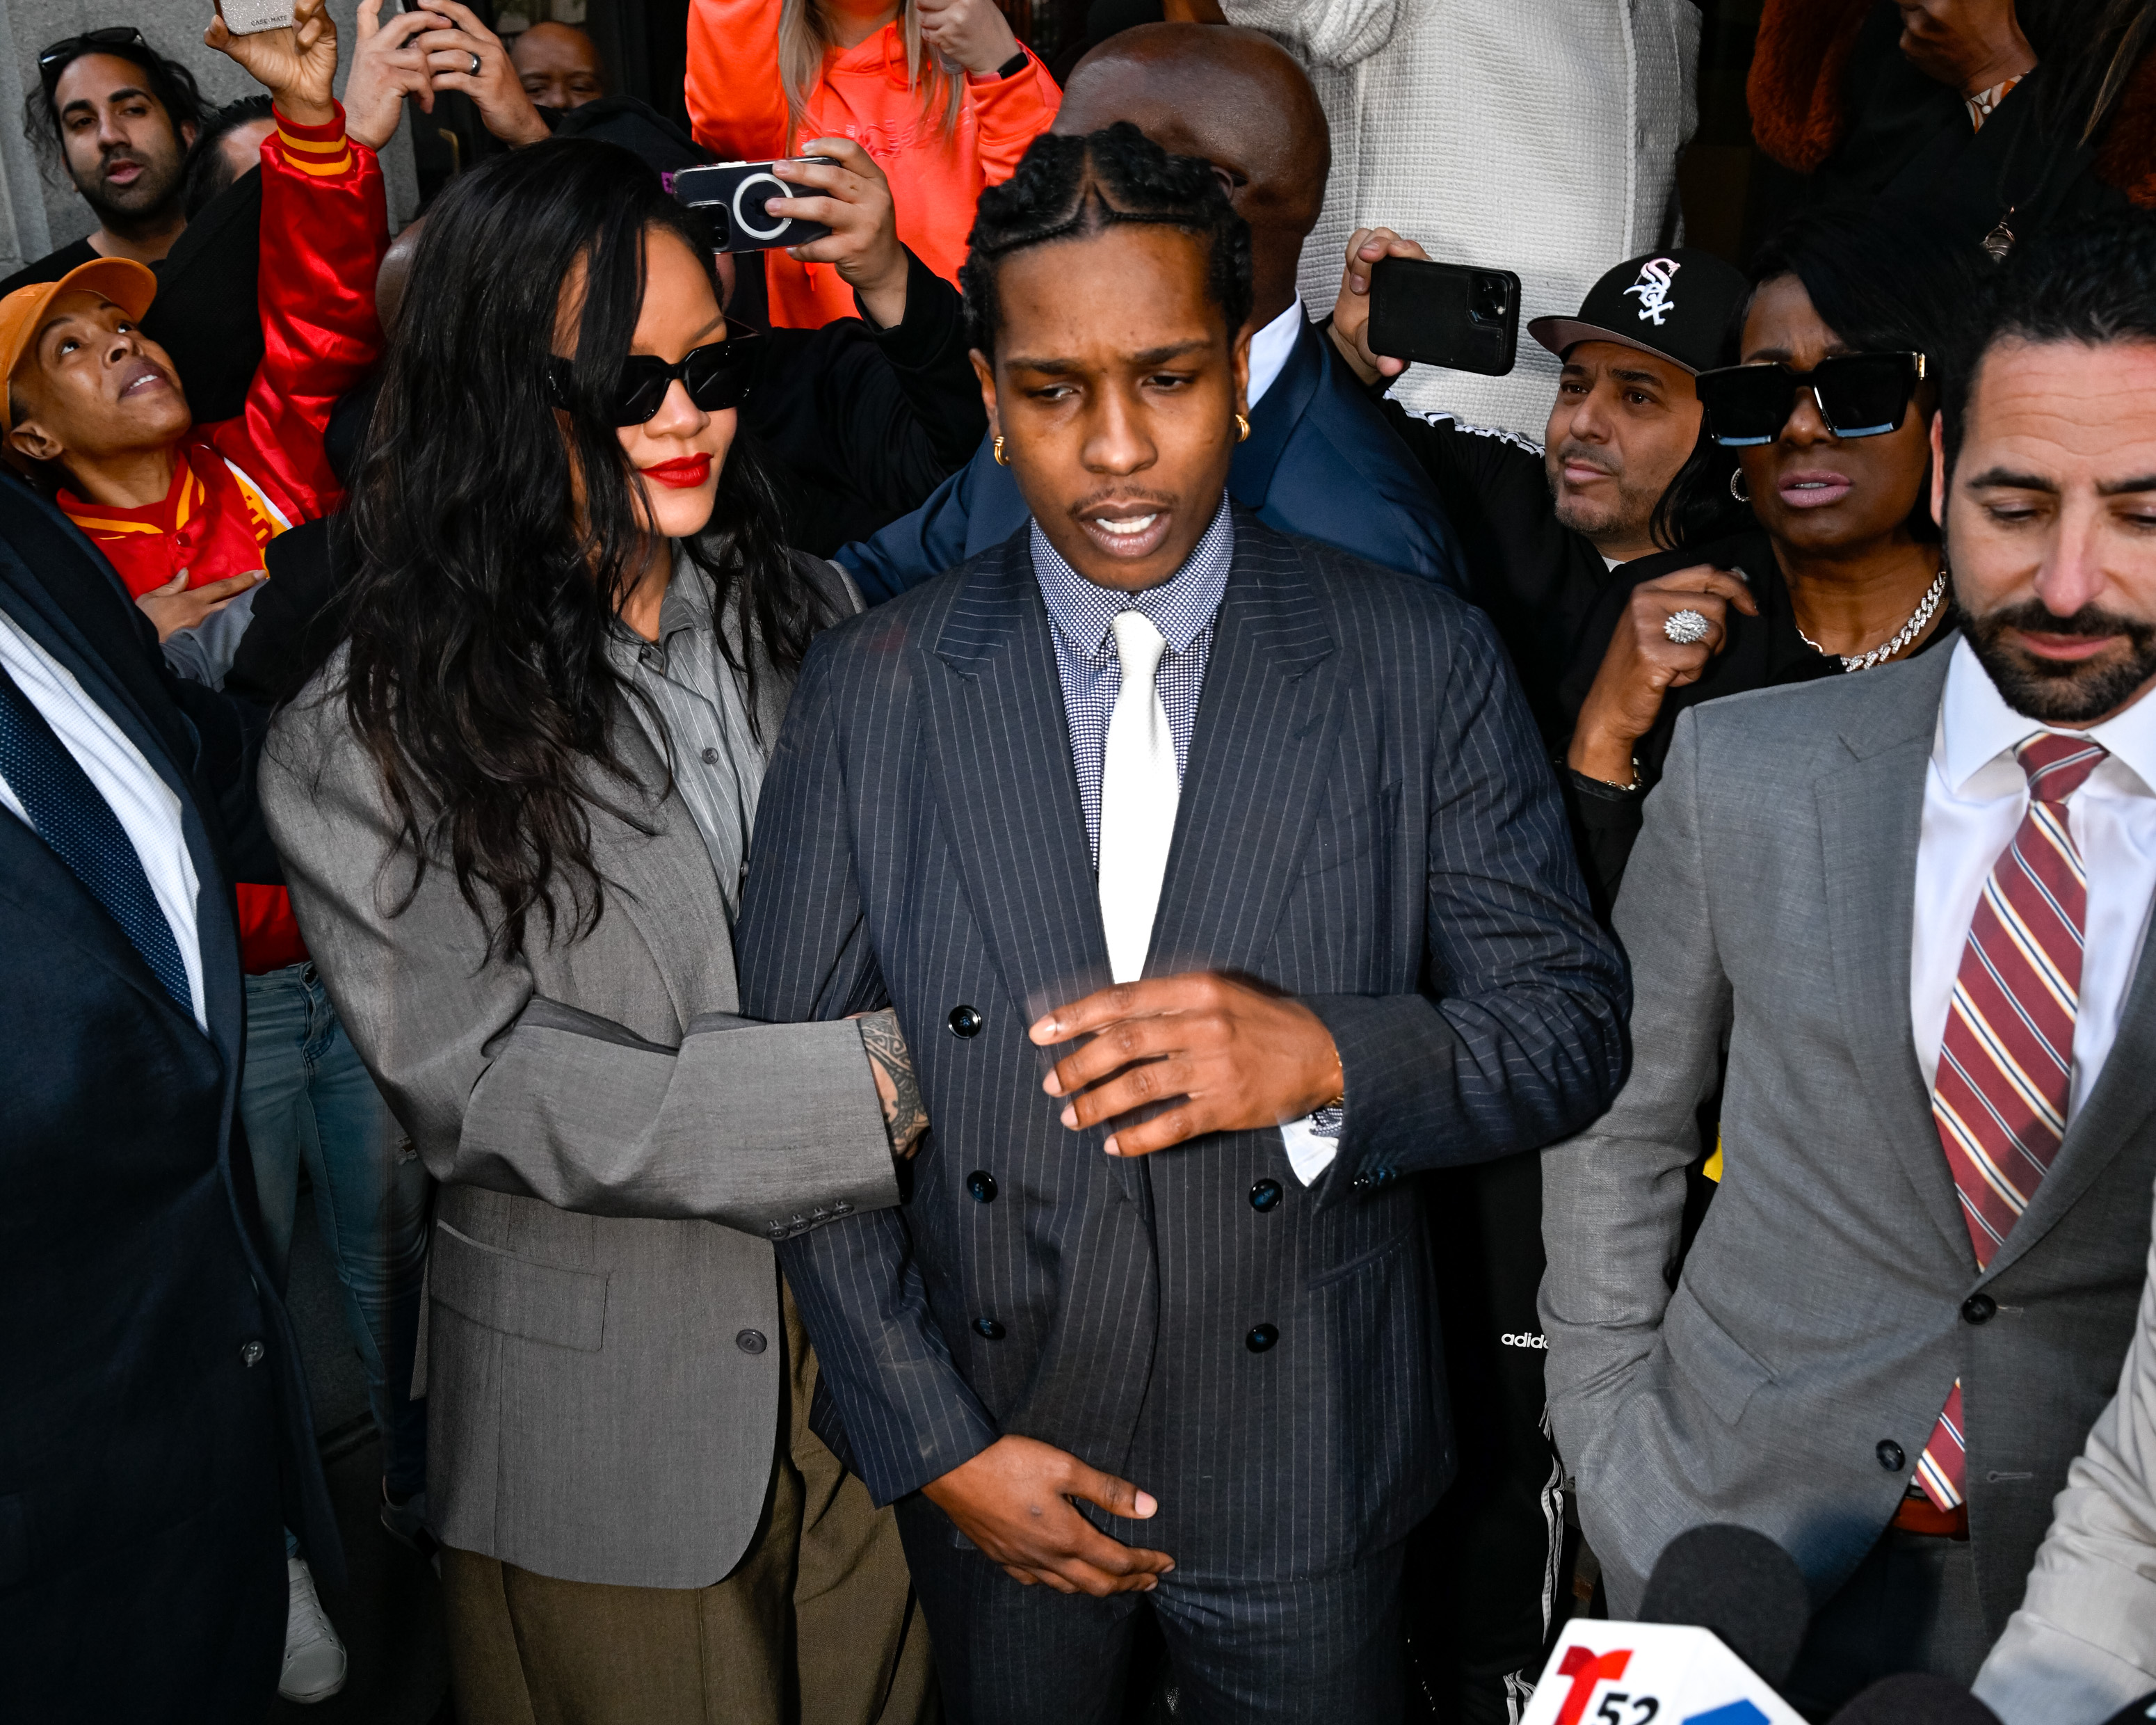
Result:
{"points": [[305, 1097]]}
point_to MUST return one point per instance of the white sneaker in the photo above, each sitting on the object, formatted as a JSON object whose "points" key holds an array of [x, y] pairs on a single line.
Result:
{"points": [[314, 1656]]}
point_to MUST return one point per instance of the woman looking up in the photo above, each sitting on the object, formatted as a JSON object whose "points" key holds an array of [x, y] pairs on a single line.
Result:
{"points": [[514, 808], [1829, 413], [939, 91]]}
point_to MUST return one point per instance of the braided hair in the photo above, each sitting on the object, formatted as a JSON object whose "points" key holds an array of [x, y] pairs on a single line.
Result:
{"points": [[1073, 188]]}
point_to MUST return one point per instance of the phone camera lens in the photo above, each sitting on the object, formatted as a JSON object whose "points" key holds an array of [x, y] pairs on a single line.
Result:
{"points": [[1491, 298]]}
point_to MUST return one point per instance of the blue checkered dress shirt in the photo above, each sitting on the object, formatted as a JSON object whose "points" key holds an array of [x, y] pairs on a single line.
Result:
{"points": [[1083, 617]]}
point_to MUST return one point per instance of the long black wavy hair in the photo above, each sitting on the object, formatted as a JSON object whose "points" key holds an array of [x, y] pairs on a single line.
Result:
{"points": [[479, 680], [1069, 186]]}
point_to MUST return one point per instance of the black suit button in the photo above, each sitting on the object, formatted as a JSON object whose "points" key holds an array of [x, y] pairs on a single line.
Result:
{"points": [[1978, 1308], [988, 1329], [251, 1352], [982, 1185], [1262, 1337], [1890, 1456], [751, 1341], [1264, 1194], [965, 1021]]}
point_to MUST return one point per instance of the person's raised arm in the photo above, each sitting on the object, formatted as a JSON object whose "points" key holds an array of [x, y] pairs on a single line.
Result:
{"points": [[1010, 109], [736, 104], [325, 225]]}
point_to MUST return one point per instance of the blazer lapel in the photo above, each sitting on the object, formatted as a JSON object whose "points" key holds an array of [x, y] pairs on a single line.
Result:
{"points": [[2115, 1107], [1871, 816], [999, 746], [1256, 770], [1273, 421]]}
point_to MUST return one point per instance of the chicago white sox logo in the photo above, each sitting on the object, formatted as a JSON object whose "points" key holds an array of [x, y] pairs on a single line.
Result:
{"points": [[1653, 288]]}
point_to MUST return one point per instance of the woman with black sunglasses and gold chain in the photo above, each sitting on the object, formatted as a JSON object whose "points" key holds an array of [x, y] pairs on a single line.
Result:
{"points": [[514, 810], [1829, 414]]}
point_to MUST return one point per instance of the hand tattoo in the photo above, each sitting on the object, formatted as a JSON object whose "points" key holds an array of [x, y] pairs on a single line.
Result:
{"points": [[904, 1116]]}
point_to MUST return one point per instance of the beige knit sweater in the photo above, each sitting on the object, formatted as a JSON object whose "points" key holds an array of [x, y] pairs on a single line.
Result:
{"points": [[1537, 135]]}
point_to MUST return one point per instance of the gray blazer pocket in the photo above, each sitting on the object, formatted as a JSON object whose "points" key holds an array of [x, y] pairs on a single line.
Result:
{"points": [[518, 1297], [1709, 1359]]}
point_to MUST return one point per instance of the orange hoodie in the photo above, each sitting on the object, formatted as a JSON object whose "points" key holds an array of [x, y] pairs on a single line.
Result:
{"points": [[738, 106]]}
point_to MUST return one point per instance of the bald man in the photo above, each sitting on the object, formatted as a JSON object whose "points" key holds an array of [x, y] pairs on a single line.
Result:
{"points": [[1319, 460], [560, 66]]}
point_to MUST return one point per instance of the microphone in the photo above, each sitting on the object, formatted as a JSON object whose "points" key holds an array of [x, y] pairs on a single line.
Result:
{"points": [[1916, 1698], [1724, 1613], [1739, 1583]]}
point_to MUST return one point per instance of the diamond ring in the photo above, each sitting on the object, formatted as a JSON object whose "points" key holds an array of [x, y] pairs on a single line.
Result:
{"points": [[1688, 629]]}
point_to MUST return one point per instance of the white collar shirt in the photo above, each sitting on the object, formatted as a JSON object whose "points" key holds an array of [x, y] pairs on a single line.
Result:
{"points": [[1270, 349], [1975, 794]]}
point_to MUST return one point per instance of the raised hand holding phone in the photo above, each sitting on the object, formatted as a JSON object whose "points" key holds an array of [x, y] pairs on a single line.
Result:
{"points": [[297, 64]]}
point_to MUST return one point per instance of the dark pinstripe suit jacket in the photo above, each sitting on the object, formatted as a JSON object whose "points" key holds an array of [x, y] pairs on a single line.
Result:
{"points": [[1366, 822]]}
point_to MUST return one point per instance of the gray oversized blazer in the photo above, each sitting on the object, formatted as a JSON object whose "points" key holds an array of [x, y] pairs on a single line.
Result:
{"points": [[1789, 1380], [617, 1150]]}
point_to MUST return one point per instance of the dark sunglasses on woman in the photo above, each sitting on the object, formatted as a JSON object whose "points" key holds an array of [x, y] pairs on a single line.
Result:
{"points": [[716, 374], [1858, 395], [55, 60]]}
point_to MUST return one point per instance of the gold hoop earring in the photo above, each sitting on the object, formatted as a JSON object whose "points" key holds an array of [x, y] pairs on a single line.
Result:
{"points": [[997, 450], [1242, 429]]}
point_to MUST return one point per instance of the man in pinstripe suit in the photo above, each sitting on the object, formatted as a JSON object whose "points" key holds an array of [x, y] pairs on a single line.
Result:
{"points": [[1259, 840]]}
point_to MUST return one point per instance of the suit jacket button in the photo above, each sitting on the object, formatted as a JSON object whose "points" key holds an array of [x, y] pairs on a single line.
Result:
{"points": [[251, 1352], [751, 1341], [988, 1329], [965, 1021], [1890, 1456], [1262, 1337], [1978, 1308], [982, 1185], [1264, 1194]]}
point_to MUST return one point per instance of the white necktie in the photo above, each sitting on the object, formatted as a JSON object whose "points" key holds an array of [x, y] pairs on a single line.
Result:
{"points": [[1139, 794]]}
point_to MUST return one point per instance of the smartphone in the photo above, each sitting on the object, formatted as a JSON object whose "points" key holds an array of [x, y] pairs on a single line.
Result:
{"points": [[1450, 315], [251, 17], [732, 197]]}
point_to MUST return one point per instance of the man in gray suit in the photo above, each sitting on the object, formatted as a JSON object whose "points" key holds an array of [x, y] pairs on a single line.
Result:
{"points": [[1911, 904], [1217, 883]]}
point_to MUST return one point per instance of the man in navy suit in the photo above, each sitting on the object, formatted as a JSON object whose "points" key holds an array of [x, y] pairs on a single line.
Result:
{"points": [[1219, 884], [1320, 460], [154, 1435]]}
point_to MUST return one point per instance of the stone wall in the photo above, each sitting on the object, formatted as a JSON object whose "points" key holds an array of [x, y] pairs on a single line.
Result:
{"points": [[39, 212]]}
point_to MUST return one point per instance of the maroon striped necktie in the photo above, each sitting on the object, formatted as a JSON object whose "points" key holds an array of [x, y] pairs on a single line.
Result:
{"points": [[2006, 1063]]}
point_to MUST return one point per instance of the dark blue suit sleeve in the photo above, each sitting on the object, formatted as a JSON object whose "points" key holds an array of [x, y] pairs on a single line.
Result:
{"points": [[917, 546], [1519, 1040], [804, 953]]}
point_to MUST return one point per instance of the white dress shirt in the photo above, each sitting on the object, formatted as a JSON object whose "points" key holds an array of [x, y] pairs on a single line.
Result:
{"points": [[1270, 348], [147, 807], [1975, 794]]}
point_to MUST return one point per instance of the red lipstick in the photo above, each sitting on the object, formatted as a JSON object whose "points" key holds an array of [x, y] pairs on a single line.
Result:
{"points": [[684, 473]]}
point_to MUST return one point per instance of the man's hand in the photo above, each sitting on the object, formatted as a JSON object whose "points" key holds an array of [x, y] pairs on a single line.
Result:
{"points": [[1351, 311], [388, 64], [1012, 1501], [470, 57], [853, 200], [175, 606], [1643, 664], [972, 34], [890, 1064], [1233, 1057], [297, 66]]}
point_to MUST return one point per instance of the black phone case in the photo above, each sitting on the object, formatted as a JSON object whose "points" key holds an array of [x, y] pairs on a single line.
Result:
{"points": [[715, 192], [1432, 314]]}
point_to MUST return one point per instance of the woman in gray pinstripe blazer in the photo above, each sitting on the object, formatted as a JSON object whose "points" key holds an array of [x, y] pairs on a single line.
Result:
{"points": [[513, 810]]}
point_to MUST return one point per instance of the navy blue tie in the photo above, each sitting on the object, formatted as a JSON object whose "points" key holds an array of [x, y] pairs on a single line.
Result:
{"points": [[68, 813]]}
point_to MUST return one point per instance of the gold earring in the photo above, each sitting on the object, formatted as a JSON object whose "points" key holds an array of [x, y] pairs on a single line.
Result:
{"points": [[997, 449], [1242, 429]]}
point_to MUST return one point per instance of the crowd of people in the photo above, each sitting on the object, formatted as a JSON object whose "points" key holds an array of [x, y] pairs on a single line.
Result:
{"points": [[1017, 985]]}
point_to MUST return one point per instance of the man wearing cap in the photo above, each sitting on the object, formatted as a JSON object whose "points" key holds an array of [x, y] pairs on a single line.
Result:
{"points": [[1546, 530], [1544, 527]]}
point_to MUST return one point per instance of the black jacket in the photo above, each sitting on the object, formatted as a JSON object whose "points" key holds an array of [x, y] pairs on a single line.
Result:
{"points": [[155, 1436]]}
